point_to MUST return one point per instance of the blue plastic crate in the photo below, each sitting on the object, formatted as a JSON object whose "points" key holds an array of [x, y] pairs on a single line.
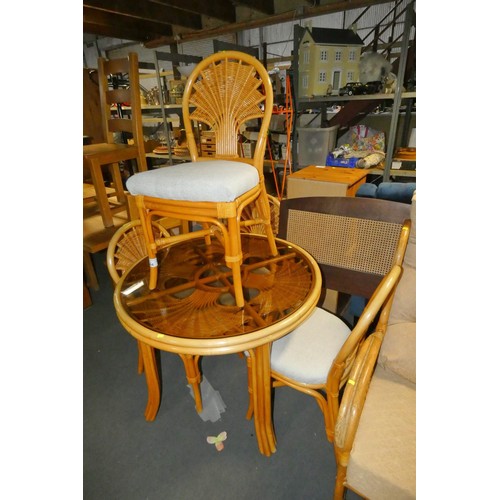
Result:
{"points": [[331, 161]]}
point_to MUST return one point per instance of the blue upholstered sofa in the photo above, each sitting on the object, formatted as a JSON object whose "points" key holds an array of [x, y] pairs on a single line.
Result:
{"points": [[393, 191]]}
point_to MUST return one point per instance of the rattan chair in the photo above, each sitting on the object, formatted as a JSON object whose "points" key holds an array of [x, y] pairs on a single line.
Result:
{"points": [[316, 358], [224, 91], [120, 102], [356, 242], [125, 248], [351, 407], [274, 212]]}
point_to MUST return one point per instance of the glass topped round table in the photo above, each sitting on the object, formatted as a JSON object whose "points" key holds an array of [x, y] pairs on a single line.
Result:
{"points": [[192, 311]]}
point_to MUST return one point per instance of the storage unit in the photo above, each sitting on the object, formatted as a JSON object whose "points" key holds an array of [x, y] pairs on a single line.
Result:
{"points": [[361, 103], [325, 181], [207, 143], [314, 144]]}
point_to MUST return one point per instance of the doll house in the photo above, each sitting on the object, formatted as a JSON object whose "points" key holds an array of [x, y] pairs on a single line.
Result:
{"points": [[328, 59]]}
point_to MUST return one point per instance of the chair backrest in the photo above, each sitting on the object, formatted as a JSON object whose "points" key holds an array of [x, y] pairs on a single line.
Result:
{"points": [[224, 91], [249, 213], [355, 241], [120, 97], [127, 246]]}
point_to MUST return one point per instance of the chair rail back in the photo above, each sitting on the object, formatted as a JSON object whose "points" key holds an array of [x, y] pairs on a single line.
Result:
{"points": [[120, 97]]}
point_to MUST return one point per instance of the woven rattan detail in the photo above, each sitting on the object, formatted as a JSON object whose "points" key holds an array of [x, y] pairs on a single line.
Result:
{"points": [[350, 243], [226, 95]]}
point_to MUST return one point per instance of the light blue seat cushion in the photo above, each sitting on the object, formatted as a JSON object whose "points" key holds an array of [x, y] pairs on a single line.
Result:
{"points": [[307, 353], [217, 180]]}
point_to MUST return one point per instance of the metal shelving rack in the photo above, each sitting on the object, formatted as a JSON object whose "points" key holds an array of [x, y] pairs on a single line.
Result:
{"points": [[322, 102]]}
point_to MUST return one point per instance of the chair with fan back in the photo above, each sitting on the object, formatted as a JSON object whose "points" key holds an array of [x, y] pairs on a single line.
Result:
{"points": [[215, 193]]}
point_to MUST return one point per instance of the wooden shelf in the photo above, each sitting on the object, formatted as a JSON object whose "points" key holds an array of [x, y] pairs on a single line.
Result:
{"points": [[395, 172], [153, 75], [346, 98]]}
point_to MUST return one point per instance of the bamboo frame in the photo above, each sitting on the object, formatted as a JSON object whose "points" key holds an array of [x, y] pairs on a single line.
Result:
{"points": [[351, 408]]}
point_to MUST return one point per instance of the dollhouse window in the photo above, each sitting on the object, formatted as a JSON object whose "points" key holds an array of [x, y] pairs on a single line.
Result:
{"points": [[322, 76], [323, 56], [305, 81], [306, 56], [338, 55], [350, 76], [352, 55]]}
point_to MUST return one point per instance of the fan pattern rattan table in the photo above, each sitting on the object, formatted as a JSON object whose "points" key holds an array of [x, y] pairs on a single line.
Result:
{"points": [[192, 310]]}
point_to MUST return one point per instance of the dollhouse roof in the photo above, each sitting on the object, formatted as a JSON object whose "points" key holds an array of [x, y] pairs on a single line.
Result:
{"points": [[332, 36]]}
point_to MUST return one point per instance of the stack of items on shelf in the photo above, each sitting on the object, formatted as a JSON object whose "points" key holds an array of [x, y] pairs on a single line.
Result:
{"points": [[364, 149], [207, 140]]}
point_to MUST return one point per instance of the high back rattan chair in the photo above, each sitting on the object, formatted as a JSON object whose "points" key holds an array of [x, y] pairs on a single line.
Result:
{"points": [[120, 102], [224, 91], [126, 247], [356, 242]]}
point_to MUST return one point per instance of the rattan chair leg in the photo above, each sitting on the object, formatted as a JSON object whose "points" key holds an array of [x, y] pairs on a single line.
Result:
{"points": [[339, 482]]}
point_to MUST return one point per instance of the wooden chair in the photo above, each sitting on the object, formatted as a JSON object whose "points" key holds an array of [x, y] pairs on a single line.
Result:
{"points": [[356, 242], [224, 91], [125, 248], [121, 114]]}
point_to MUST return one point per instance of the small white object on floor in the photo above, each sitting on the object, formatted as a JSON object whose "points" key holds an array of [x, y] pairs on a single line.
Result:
{"points": [[213, 405]]}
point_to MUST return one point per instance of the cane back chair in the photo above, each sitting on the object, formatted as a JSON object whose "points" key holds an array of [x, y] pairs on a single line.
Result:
{"points": [[357, 243], [224, 91], [126, 247], [120, 101]]}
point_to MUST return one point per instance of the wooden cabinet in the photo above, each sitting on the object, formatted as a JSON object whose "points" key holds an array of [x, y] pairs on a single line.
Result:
{"points": [[325, 181]]}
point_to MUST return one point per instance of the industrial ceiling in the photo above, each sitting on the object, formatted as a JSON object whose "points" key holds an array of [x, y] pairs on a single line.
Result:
{"points": [[160, 22]]}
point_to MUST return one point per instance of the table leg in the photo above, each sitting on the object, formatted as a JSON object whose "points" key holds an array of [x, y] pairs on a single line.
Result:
{"points": [[152, 380], [193, 377], [261, 394]]}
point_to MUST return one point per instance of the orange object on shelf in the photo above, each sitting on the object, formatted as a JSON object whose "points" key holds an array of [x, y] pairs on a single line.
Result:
{"points": [[284, 110], [406, 154]]}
